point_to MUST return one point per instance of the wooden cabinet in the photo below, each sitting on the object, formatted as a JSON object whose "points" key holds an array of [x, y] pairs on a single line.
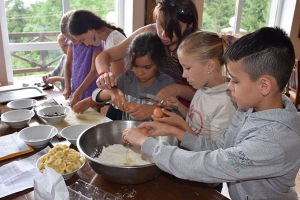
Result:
{"points": [[149, 6]]}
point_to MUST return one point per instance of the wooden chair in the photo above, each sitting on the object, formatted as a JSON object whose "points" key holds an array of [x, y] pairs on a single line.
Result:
{"points": [[292, 89]]}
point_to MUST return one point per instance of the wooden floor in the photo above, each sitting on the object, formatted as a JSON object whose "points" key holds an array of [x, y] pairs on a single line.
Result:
{"points": [[297, 187]]}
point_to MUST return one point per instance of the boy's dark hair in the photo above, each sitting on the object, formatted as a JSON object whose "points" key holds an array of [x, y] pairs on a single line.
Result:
{"points": [[80, 21], [143, 44], [267, 51]]}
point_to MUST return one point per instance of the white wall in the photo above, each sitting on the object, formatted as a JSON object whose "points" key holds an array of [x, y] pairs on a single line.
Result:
{"points": [[6, 76], [287, 13]]}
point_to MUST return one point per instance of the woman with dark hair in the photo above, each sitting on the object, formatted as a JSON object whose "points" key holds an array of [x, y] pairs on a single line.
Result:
{"points": [[174, 20], [88, 28]]}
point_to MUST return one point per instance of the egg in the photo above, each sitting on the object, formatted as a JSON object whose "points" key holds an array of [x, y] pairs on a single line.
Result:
{"points": [[144, 130], [130, 105], [158, 113]]}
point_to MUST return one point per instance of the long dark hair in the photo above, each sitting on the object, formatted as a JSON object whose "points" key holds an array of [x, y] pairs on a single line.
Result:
{"points": [[83, 20], [175, 11]]}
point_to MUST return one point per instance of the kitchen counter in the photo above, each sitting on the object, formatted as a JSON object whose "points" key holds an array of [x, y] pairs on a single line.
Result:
{"points": [[163, 187]]}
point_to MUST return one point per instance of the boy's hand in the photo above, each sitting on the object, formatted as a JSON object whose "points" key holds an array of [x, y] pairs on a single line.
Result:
{"points": [[160, 129], [134, 136]]}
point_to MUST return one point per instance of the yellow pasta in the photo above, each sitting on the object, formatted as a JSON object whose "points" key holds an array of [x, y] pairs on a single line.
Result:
{"points": [[62, 159]]}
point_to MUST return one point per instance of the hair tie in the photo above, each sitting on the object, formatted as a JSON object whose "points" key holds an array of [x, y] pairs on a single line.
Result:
{"points": [[229, 37]]}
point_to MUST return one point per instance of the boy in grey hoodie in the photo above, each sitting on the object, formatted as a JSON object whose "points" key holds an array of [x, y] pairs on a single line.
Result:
{"points": [[258, 156]]}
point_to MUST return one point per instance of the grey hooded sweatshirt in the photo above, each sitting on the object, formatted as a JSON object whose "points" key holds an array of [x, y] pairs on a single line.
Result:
{"points": [[258, 156]]}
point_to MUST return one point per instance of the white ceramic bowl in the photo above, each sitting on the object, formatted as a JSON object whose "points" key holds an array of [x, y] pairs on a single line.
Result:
{"points": [[54, 114], [21, 104], [71, 133], [38, 136], [17, 118], [65, 176]]}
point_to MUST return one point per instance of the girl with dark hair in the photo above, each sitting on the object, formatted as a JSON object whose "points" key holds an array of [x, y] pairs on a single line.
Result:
{"points": [[174, 20], [143, 75], [88, 28]]}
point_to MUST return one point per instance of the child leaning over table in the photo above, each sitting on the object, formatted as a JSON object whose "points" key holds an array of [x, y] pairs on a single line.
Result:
{"points": [[258, 156], [146, 58], [211, 108], [58, 73]]}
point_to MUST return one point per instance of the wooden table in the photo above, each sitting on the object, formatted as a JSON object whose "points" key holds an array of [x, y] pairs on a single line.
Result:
{"points": [[163, 187]]}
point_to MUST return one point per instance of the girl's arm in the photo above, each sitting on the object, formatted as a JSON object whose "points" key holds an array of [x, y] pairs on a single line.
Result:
{"points": [[86, 82], [179, 90], [68, 72], [112, 54]]}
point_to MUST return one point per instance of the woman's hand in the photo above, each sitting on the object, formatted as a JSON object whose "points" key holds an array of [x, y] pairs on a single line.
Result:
{"points": [[134, 136], [168, 91], [168, 102], [106, 81]]}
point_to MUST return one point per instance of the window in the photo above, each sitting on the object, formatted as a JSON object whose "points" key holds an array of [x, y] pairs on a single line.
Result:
{"points": [[33, 26], [238, 17]]}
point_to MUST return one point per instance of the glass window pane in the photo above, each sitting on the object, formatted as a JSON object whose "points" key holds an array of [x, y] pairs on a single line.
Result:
{"points": [[35, 61], [32, 16], [100, 7], [255, 14], [216, 14]]}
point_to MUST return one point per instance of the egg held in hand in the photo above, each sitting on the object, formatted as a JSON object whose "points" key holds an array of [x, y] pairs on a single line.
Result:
{"points": [[144, 130], [158, 113], [130, 105]]}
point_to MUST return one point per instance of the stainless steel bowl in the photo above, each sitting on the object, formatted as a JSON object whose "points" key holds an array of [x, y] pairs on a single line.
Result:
{"points": [[90, 144]]}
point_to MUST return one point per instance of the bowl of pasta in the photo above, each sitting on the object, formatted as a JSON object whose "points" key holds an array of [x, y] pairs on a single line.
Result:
{"points": [[64, 160]]}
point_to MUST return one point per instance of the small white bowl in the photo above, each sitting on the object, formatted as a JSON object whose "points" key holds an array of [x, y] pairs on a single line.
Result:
{"points": [[21, 104], [54, 114], [71, 133], [65, 176], [38, 136], [17, 118]]}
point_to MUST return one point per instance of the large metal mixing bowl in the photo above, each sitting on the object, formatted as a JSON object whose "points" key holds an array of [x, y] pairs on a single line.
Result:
{"points": [[90, 144]]}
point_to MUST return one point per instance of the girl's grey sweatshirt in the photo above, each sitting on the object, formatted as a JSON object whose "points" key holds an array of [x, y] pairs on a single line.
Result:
{"points": [[258, 156]]}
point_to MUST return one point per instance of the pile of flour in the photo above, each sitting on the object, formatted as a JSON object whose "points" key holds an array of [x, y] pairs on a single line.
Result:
{"points": [[116, 155]]}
